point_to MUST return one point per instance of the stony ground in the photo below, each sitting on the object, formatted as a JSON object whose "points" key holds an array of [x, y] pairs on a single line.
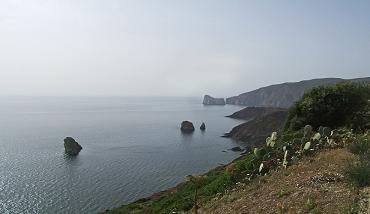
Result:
{"points": [[314, 185]]}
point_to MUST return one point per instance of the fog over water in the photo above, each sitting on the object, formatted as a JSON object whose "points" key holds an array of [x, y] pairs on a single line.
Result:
{"points": [[177, 48], [119, 76]]}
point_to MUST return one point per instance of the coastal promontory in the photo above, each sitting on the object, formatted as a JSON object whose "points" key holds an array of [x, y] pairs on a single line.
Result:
{"points": [[255, 131], [253, 112]]}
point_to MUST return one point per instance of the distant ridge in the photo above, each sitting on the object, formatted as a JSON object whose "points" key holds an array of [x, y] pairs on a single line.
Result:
{"points": [[283, 95]]}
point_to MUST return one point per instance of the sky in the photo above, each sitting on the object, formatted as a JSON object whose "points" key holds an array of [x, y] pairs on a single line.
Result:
{"points": [[177, 47]]}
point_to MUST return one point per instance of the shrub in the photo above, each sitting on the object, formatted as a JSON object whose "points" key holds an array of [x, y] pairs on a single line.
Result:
{"points": [[361, 147], [359, 174], [342, 104]]}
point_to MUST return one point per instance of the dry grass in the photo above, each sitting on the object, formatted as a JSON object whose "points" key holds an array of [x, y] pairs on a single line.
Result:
{"points": [[314, 185]]}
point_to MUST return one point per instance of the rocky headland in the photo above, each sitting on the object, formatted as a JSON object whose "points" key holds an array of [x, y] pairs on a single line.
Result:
{"points": [[255, 131], [253, 112]]}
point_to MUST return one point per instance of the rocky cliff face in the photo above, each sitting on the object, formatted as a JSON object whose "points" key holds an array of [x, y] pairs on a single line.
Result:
{"points": [[208, 100], [282, 95], [255, 131]]}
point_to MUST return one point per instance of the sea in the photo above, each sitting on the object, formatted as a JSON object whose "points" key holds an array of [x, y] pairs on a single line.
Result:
{"points": [[132, 148]]}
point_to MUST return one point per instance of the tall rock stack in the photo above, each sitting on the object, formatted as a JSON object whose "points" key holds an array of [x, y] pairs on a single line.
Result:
{"points": [[71, 146], [187, 127], [208, 100]]}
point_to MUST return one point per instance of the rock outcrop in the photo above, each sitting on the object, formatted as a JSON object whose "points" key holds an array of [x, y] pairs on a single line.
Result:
{"points": [[253, 112], [187, 126], [203, 127], [71, 146], [283, 95], [255, 131], [208, 100]]}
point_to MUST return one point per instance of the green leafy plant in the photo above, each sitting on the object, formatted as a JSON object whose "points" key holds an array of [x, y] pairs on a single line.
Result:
{"points": [[282, 193], [359, 174], [361, 147]]}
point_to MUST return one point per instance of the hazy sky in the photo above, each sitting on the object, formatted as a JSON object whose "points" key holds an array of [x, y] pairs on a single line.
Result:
{"points": [[177, 47]]}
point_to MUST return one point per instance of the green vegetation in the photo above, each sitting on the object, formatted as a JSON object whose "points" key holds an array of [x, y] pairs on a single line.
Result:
{"points": [[282, 193], [343, 104], [351, 208], [310, 206], [360, 146], [359, 172]]}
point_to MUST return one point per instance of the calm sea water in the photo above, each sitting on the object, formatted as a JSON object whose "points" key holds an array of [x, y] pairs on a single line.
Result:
{"points": [[132, 147]]}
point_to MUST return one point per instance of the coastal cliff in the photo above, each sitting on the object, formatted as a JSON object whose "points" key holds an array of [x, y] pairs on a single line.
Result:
{"points": [[285, 94], [208, 100]]}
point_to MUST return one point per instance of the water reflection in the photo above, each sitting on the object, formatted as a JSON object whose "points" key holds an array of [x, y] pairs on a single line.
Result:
{"points": [[71, 159]]}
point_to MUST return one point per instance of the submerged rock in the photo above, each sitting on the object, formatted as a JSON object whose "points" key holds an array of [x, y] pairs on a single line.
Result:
{"points": [[71, 146], [208, 100], [237, 149], [187, 126], [203, 127]]}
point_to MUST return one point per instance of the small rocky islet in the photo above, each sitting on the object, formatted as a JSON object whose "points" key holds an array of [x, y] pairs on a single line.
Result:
{"points": [[71, 147], [203, 127], [187, 126]]}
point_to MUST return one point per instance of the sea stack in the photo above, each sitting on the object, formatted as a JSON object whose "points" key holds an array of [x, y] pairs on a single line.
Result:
{"points": [[208, 100], [203, 127], [187, 126], [71, 146]]}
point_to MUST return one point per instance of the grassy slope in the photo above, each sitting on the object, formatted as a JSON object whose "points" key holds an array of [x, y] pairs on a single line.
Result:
{"points": [[316, 184]]}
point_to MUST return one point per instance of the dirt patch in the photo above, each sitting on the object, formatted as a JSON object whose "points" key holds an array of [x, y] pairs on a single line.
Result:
{"points": [[314, 185]]}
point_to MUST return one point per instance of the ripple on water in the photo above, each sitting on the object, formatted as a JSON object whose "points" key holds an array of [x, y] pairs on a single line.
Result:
{"points": [[130, 150]]}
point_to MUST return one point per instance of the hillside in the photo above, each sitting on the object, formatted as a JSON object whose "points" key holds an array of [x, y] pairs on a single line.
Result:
{"points": [[282, 95], [314, 185]]}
